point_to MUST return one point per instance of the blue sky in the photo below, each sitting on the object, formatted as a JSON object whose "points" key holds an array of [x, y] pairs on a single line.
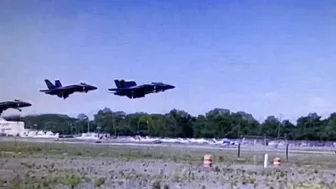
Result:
{"points": [[262, 57]]}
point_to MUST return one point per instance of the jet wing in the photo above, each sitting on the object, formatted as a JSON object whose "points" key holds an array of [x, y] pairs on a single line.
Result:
{"points": [[6, 104], [66, 88], [138, 88], [136, 94], [3, 108]]}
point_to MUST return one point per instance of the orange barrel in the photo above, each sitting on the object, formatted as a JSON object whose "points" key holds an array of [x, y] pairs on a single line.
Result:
{"points": [[277, 162], [207, 161]]}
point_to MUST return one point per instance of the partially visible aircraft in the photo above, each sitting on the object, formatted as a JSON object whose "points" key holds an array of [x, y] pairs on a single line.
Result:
{"points": [[65, 91], [16, 104], [132, 90]]}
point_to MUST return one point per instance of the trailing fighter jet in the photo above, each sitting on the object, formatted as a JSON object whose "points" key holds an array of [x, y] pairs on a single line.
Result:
{"points": [[132, 90], [16, 104], [65, 91]]}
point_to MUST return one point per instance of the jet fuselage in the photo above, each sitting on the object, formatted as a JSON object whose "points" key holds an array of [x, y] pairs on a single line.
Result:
{"points": [[16, 104], [65, 91], [70, 88], [131, 90]]}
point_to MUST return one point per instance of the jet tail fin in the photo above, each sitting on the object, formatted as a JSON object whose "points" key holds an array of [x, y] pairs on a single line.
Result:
{"points": [[49, 84], [118, 83], [124, 84], [58, 83]]}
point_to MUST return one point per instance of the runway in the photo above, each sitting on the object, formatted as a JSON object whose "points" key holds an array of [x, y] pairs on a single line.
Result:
{"points": [[203, 147]]}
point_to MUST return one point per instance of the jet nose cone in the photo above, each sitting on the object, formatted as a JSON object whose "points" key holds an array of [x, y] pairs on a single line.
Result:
{"points": [[93, 87], [170, 86], [27, 104]]}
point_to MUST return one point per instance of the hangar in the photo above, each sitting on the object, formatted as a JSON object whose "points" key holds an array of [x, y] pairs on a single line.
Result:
{"points": [[11, 128]]}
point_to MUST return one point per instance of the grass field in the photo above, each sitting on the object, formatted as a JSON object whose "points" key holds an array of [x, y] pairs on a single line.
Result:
{"points": [[64, 165]]}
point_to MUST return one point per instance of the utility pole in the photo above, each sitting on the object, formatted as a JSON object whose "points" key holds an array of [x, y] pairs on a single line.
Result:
{"points": [[242, 118], [35, 125], [114, 127], [280, 122], [88, 125], [138, 123], [239, 129], [148, 129], [175, 123], [98, 129]]}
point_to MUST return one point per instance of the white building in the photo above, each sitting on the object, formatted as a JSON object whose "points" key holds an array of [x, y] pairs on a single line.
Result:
{"points": [[39, 134], [11, 128]]}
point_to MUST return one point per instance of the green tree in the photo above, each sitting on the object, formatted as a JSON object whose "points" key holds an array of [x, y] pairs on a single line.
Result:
{"points": [[217, 123]]}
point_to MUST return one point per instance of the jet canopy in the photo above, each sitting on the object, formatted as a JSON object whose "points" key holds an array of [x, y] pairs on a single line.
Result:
{"points": [[157, 83]]}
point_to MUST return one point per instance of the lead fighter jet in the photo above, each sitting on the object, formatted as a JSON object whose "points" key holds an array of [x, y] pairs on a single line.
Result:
{"points": [[132, 90], [65, 91], [16, 104]]}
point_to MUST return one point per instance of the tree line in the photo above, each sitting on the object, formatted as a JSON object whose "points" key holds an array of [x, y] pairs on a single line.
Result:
{"points": [[217, 123]]}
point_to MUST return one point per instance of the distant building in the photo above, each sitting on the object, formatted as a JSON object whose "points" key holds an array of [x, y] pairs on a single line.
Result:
{"points": [[11, 128]]}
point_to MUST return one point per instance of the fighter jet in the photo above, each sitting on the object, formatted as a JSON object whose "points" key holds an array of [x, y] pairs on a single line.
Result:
{"points": [[132, 90], [16, 104], [65, 91]]}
